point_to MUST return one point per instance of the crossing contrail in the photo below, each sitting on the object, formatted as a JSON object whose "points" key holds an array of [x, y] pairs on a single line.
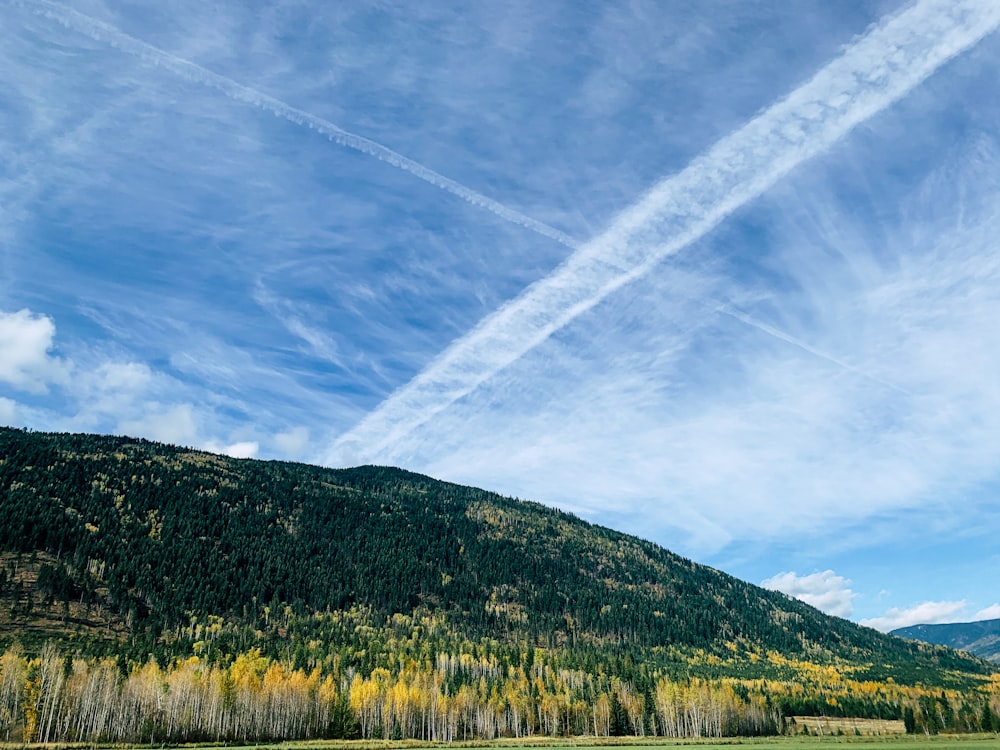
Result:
{"points": [[872, 72], [107, 34]]}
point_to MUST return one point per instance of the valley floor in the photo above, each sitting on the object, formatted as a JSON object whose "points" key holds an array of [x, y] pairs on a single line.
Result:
{"points": [[889, 742]]}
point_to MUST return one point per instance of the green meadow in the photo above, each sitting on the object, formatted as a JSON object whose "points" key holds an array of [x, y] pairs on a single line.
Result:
{"points": [[902, 742]]}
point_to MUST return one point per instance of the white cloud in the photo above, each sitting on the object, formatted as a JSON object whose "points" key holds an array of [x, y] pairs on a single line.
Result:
{"points": [[293, 442], [115, 389], [176, 424], [8, 412], [925, 613], [25, 342], [244, 449], [123, 376], [183, 424], [991, 612], [123, 396], [824, 590]]}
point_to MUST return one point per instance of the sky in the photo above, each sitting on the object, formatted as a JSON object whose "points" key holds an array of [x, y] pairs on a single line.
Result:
{"points": [[724, 275]]}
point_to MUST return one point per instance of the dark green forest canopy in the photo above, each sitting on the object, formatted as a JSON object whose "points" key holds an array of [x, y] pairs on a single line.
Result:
{"points": [[172, 534]]}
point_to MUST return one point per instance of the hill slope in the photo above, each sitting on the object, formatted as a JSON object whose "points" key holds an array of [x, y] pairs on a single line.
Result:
{"points": [[154, 535], [980, 638], [154, 593]]}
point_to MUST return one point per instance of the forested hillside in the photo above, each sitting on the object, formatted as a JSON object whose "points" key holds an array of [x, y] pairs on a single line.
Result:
{"points": [[378, 597]]}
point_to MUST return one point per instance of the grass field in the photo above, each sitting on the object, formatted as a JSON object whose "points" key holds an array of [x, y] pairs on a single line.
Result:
{"points": [[888, 741], [892, 740], [823, 725]]}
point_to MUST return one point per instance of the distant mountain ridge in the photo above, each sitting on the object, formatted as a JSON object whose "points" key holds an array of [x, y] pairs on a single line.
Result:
{"points": [[980, 638]]}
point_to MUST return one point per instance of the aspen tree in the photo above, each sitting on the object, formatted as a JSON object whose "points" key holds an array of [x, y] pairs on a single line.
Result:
{"points": [[13, 676]]}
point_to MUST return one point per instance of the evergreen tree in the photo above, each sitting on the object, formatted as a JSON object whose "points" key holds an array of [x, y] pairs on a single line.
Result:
{"points": [[989, 721]]}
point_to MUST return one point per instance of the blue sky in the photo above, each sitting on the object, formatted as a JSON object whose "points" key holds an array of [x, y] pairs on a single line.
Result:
{"points": [[721, 274]]}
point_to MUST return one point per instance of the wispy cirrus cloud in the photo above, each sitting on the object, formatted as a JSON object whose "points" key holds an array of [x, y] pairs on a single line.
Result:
{"points": [[103, 32]]}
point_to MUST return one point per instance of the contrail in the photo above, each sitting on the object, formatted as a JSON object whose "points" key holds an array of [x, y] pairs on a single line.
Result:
{"points": [[107, 34], [875, 70], [789, 339]]}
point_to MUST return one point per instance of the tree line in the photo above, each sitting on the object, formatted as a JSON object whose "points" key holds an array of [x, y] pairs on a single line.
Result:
{"points": [[55, 697]]}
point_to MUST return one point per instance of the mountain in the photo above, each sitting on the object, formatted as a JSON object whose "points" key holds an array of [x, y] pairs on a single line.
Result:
{"points": [[280, 600], [176, 532], [980, 638]]}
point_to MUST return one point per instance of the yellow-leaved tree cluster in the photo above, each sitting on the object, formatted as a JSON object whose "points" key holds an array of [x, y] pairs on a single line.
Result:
{"points": [[54, 697]]}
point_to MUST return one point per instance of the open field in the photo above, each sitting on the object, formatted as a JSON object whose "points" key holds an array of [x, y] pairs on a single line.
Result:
{"points": [[900, 741], [823, 725], [903, 742], [887, 741]]}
